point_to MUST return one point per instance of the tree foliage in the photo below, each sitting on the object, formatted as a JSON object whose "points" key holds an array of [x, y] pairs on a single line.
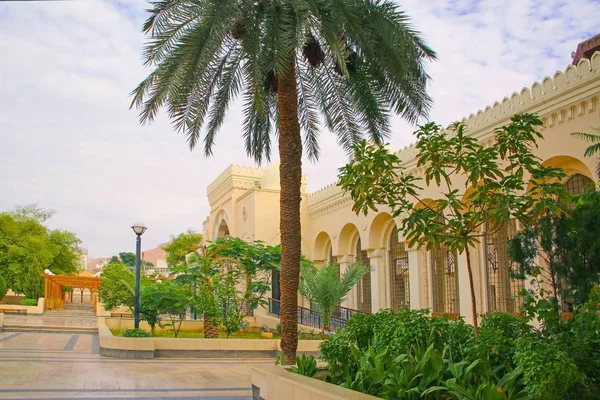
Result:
{"points": [[594, 148], [481, 186], [228, 279], [563, 250], [167, 297], [28, 247], [116, 287], [326, 287], [355, 62]]}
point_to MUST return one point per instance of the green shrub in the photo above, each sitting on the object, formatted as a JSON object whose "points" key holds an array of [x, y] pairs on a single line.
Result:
{"points": [[548, 371], [278, 328], [498, 334], [136, 333], [29, 302], [581, 340], [306, 366], [3, 287]]}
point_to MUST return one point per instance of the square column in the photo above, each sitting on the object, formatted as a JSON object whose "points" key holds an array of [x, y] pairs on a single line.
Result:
{"points": [[350, 301], [379, 289], [416, 280]]}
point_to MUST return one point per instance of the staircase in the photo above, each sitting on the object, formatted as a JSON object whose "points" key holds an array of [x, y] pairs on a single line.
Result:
{"points": [[74, 318]]}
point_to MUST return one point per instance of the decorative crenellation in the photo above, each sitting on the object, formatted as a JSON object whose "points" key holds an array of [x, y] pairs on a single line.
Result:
{"points": [[234, 177], [539, 94], [542, 97]]}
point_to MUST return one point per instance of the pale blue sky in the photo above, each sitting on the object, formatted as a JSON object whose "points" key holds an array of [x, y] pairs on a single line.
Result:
{"points": [[70, 143]]}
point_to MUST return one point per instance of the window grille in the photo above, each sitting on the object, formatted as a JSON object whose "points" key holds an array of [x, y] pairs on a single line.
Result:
{"points": [[364, 285], [503, 288], [399, 272], [578, 184], [445, 280]]}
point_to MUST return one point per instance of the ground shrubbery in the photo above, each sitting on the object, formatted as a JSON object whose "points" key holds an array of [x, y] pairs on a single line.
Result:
{"points": [[410, 355], [29, 302]]}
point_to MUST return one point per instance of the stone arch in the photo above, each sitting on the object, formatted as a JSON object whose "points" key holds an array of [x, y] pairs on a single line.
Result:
{"points": [[571, 165], [322, 248], [221, 228], [380, 230], [348, 238]]}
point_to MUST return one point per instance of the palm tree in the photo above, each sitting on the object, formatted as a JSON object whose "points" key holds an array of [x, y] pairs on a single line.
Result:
{"points": [[326, 287], [355, 62], [594, 148]]}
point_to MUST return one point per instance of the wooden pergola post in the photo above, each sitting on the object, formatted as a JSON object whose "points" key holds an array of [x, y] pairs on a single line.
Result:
{"points": [[53, 293]]}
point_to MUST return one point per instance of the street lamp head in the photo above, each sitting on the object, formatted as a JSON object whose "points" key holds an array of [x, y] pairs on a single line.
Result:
{"points": [[139, 228]]}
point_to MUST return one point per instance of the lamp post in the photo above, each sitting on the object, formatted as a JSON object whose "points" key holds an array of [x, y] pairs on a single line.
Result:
{"points": [[139, 228]]}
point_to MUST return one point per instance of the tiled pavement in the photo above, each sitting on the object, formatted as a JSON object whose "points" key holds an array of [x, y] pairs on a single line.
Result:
{"points": [[63, 365]]}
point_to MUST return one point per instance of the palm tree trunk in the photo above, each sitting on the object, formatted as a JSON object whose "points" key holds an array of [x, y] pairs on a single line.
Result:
{"points": [[290, 175], [210, 330]]}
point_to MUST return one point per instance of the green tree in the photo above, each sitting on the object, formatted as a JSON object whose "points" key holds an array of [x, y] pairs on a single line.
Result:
{"points": [[63, 247], [480, 186], [3, 287], [326, 287], [251, 270], [116, 287], [182, 245], [353, 61], [594, 148], [127, 258], [202, 270], [567, 246], [27, 248], [170, 298]]}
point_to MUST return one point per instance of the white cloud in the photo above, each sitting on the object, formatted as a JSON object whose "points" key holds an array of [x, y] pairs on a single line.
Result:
{"points": [[69, 142]]}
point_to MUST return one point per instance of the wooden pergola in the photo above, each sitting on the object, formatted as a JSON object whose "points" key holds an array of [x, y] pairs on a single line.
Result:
{"points": [[54, 295]]}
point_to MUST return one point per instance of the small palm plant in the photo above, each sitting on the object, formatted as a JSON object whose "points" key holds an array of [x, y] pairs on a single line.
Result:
{"points": [[594, 148], [326, 287]]}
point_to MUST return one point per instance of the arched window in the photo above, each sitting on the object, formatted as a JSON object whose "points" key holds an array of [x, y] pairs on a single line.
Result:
{"points": [[364, 285], [578, 184], [399, 272], [445, 280], [503, 289]]}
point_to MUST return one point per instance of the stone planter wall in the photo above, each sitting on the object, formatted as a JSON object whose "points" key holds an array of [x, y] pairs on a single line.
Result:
{"points": [[147, 348], [273, 383]]}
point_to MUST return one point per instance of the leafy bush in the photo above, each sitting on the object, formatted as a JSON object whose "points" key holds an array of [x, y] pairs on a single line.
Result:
{"points": [[29, 302], [136, 333], [581, 340], [498, 334], [548, 371], [278, 328], [396, 333], [306, 366], [3, 287]]}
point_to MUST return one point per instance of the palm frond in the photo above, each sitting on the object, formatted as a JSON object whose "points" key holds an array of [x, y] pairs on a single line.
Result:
{"points": [[589, 137]]}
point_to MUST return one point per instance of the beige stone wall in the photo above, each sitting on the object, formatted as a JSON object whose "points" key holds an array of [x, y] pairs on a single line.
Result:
{"points": [[567, 102]]}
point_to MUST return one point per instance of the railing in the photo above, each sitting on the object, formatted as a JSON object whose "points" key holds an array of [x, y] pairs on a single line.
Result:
{"points": [[313, 318]]}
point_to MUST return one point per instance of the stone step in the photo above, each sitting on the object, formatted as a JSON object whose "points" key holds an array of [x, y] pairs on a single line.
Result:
{"points": [[49, 328]]}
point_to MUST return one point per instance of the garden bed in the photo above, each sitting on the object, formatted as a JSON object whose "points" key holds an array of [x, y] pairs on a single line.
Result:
{"points": [[191, 347], [250, 333]]}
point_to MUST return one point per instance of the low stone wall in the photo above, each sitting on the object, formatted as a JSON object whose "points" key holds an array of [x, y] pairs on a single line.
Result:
{"points": [[14, 299], [127, 323], [147, 348], [19, 309], [273, 383]]}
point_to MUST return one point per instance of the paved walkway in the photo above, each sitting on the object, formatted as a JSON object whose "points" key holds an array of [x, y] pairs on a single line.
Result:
{"points": [[62, 365], [75, 317]]}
